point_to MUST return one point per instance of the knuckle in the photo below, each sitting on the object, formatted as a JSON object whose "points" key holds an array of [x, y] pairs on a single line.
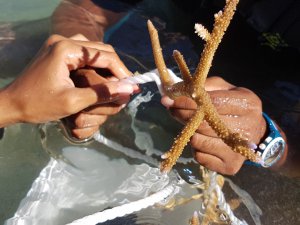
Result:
{"points": [[254, 103], [110, 47], [82, 133], [232, 166], [216, 79], [80, 120], [201, 160], [61, 47], [231, 169], [206, 144], [79, 36], [69, 104], [116, 110], [100, 120], [195, 141], [53, 39], [198, 158]]}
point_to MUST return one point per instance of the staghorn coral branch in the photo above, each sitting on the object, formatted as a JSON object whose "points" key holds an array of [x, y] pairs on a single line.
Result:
{"points": [[158, 56], [202, 32], [181, 141], [222, 21], [185, 72]]}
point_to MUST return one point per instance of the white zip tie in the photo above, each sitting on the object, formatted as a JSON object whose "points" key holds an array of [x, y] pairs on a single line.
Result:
{"points": [[126, 209]]}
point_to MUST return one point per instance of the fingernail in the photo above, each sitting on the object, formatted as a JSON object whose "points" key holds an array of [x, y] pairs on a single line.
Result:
{"points": [[124, 73], [113, 79], [136, 89], [125, 88], [167, 102], [252, 145]]}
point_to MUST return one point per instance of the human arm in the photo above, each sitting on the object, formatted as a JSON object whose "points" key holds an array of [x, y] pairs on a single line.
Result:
{"points": [[238, 107], [87, 17], [45, 92]]}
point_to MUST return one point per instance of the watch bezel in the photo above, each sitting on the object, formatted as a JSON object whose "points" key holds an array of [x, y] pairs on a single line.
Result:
{"points": [[266, 146], [265, 163]]}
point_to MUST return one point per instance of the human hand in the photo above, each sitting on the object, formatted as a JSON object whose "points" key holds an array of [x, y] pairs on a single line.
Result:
{"points": [[86, 122], [239, 108], [45, 91]]}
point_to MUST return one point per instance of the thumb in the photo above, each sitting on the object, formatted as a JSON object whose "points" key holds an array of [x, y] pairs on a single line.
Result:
{"points": [[101, 93], [217, 83]]}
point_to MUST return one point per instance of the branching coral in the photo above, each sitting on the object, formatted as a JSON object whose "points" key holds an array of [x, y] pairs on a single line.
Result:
{"points": [[193, 87]]}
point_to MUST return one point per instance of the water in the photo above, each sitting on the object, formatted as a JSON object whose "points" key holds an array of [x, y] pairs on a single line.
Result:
{"points": [[23, 157], [16, 11]]}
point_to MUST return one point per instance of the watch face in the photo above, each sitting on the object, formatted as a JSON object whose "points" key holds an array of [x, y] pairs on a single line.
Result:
{"points": [[273, 152]]}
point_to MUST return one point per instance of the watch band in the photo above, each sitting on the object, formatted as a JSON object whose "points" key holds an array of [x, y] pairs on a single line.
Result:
{"points": [[272, 148]]}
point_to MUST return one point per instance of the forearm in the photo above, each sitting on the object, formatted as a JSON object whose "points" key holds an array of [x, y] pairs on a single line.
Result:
{"points": [[83, 17]]}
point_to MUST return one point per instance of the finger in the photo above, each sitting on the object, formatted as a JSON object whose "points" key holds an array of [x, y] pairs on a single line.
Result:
{"points": [[217, 83], [215, 164], [181, 102], [87, 78], [76, 56], [84, 132], [111, 61], [211, 84], [77, 99], [97, 45], [209, 161], [237, 101], [82, 120], [79, 37], [54, 39], [217, 156], [81, 40], [215, 147], [233, 122], [104, 109]]}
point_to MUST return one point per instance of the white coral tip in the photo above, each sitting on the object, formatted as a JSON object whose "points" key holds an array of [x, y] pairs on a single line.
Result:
{"points": [[201, 31], [164, 156], [218, 15]]}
